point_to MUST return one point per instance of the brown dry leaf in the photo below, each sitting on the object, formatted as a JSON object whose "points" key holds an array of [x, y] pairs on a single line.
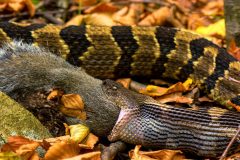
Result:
{"points": [[28, 150], [77, 20], [61, 150], [87, 156], [84, 3], [129, 15], [55, 93], [18, 5], [213, 8], [2, 6], [197, 20], [24, 147], [156, 155], [204, 99], [101, 7], [46, 143], [235, 156], [6, 148], [82, 116], [125, 82], [232, 105], [234, 50], [156, 91], [90, 141], [174, 97], [158, 17], [99, 19], [35, 156], [72, 101], [15, 6], [74, 113], [30, 7]]}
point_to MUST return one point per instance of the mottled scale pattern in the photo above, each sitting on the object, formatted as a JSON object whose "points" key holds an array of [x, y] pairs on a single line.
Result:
{"points": [[149, 52]]}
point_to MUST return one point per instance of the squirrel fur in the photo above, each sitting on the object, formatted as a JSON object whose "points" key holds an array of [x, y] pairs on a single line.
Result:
{"points": [[27, 69]]}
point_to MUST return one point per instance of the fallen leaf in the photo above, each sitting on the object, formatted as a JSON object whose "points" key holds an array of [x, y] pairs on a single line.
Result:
{"points": [[130, 16], [55, 93], [174, 97], [46, 143], [2, 6], [84, 3], [164, 154], [77, 20], [125, 82], [213, 8], [235, 156], [35, 156], [231, 105], [158, 17], [156, 91], [30, 7], [101, 7], [234, 50], [197, 20], [99, 19], [204, 99], [72, 101], [217, 28], [87, 156], [22, 146], [15, 6], [90, 141], [152, 90], [9, 156], [74, 113], [61, 150], [18, 5], [78, 132]]}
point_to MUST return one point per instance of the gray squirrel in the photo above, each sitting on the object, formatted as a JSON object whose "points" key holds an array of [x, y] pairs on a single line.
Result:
{"points": [[26, 69]]}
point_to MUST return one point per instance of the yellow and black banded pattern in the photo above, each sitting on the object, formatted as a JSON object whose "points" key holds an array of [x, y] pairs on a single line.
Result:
{"points": [[124, 51]]}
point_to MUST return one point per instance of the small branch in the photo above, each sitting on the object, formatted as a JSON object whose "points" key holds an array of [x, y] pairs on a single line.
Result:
{"points": [[138, 1], [52, 19], [27, 14], [230, 144], [136, 86]]}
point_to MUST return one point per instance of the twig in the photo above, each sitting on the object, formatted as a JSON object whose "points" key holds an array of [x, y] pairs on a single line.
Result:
{"points": [[230, 144], [26, 14], [111, 151], [136, 86], [138, 1], [52, 19]]}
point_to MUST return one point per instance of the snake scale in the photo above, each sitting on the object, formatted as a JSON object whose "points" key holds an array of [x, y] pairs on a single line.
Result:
{"points": [[149, 52]]}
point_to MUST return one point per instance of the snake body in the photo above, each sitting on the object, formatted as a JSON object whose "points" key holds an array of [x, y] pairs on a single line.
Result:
{"points": [[204, 131], [149, 52], [124, 51]]}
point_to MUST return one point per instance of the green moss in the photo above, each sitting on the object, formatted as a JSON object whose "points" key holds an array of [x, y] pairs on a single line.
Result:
{"points": [[16, 120]]}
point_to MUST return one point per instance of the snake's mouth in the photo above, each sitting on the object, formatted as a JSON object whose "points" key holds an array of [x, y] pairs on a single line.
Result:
{"points": [[114, 135]]}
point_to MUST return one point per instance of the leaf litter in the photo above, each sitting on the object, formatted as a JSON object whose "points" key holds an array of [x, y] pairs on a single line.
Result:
{"points": [[202, 16]]}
